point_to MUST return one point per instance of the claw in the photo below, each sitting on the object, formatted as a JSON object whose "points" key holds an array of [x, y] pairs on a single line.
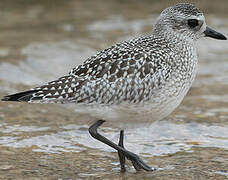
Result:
{"points": [[138, 163]]}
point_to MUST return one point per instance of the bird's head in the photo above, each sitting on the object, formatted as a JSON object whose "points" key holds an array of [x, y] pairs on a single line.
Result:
{"points": [[185, 20]]}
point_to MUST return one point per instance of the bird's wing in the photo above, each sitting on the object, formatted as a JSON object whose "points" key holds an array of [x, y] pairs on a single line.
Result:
{"points": [[114, 75]]}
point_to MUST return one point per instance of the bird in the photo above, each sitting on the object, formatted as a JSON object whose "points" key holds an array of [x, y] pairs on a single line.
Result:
{"points": [[142, 79]]}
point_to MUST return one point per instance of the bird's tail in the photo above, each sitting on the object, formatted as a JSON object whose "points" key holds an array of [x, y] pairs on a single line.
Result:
{"points": [[22, 96], [58, 91]]}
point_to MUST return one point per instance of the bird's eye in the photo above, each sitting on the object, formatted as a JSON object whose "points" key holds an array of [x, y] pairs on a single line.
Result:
{"points": [[193, 23]]}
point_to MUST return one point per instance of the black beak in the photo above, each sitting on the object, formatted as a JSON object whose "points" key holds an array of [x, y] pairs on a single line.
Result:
{"points": [[213, 34]]}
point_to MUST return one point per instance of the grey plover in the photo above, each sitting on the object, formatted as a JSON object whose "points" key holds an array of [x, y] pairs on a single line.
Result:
{"points": [[140, 79]]}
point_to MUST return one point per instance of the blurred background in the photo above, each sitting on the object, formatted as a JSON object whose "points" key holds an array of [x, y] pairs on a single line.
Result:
{"points": [[41, 40]]}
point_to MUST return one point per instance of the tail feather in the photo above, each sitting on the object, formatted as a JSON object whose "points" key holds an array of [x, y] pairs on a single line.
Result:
{"points": [[22, 96], [57, 91]]}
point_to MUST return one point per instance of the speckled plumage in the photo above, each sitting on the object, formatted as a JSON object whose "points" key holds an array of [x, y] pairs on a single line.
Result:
{"points": [[147, 76], [132, 71]]}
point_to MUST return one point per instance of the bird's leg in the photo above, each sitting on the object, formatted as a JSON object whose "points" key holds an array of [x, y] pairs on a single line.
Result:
{"points": [[120, 154], [131, 156]]}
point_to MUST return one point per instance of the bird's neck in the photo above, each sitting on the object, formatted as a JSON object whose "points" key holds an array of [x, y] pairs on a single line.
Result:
{"points": [[178, 41]]}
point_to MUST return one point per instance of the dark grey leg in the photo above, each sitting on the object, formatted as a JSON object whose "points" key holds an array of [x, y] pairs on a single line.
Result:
{"points": [[131, 156], [121, 155]]}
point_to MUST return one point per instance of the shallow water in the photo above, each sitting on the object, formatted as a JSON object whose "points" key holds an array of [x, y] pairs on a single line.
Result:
{"points": [[42, 41]]}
